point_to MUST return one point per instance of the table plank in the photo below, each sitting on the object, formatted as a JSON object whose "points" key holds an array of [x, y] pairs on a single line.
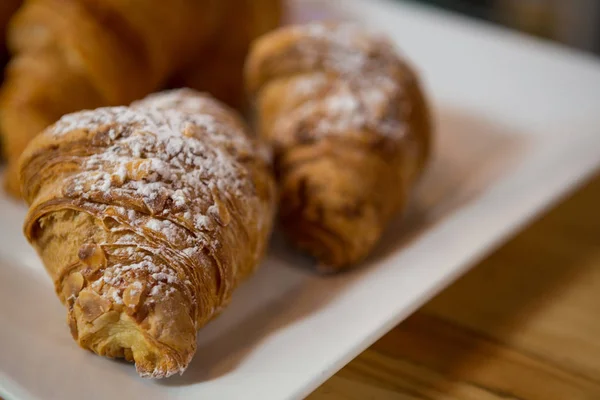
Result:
{"points": [[521, 325]]}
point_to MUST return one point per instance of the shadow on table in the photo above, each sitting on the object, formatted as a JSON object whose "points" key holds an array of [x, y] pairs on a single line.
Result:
{"points": [[470, 154]]}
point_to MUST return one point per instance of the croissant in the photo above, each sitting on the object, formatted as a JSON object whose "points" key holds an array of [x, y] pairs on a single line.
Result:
{"points": [[351, 133], [218, 69], [147, 218], [70, 55]]}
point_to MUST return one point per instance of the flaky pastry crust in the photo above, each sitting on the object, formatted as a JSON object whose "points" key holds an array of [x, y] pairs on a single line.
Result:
{"points": [[351, 131], [147, 218]]}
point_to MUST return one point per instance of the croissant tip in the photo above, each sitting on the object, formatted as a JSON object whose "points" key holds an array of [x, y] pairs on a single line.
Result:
{"points": [[117, 335], [160, 368]]}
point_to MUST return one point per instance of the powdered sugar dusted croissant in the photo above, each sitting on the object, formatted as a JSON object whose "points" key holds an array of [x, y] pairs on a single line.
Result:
{"points": [[351, 132], [147, 218]]}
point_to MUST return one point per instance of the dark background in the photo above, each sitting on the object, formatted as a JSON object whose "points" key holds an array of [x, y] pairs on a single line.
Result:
{"points": [[575, 23]]}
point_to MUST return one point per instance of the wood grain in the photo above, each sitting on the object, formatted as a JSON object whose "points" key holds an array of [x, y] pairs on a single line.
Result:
{"points": [[524, 324]]}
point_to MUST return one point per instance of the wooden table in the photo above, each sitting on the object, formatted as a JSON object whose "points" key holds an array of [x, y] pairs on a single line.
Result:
{"points": [[524, 324]]}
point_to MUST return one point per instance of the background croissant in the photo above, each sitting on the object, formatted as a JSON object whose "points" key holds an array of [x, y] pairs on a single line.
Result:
{"points": [[70, 55], [218, 69], [147, 218], [351, 132]]}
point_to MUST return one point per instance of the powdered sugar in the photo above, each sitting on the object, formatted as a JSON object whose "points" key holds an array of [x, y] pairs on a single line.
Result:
{"points": [[202, 221], [168, 155], [116, 296], [343, 104], [310, 84], [154, 153], [121, 172], [153, 224], [165, 277], [146, 275], [155, 291], [179, 198], [352, 81]]}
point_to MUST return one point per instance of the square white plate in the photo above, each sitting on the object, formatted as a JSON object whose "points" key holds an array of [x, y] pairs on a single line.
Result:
{"points": [[518, 126]]}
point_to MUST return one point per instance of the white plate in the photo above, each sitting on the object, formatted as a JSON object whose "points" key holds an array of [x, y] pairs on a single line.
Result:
{"points": [[518, 127]]}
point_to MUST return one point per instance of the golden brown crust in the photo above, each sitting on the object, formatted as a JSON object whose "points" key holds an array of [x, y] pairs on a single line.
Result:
{"points": [[351, 132], [147, 217]]}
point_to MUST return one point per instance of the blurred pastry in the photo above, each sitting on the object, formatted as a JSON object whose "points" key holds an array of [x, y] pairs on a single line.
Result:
{"points": [[147, 218], [219, 68], [351, 132]]}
